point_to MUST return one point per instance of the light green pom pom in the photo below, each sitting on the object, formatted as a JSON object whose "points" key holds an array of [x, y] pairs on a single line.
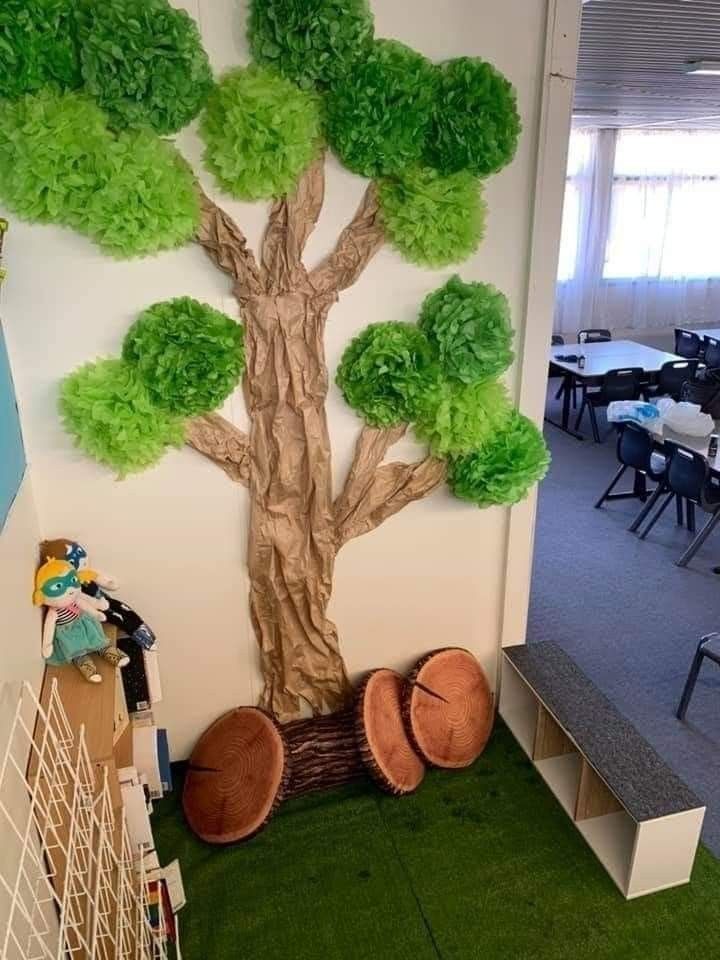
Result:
{"points": [[144, 62], [433, 220], [260, 133], [378, 114], [309, 41], [189, 356], [107, 410], [469, 326], [37, 46], [385, 372], [457, 418], [503, 469]]}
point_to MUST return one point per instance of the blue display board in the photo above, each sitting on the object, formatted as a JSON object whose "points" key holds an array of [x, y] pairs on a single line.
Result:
{"points": [[12, 452]]}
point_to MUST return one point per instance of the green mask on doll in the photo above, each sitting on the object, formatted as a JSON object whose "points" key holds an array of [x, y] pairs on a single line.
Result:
{"points": [[56, 587]]}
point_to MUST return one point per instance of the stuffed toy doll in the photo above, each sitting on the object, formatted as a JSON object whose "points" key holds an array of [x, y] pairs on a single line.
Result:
{"points": [[94, 583], [72, 631]]}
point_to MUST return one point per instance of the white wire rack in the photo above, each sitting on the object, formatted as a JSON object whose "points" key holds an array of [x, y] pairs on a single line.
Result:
{"points": [[69, 884]]}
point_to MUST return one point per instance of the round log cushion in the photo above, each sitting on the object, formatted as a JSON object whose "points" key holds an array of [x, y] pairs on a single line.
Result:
{"points": [[383, 742], [448, 708], [236, 776]]}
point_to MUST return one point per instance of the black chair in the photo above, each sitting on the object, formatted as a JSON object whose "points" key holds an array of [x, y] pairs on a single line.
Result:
{"points": [[688, 476], [708, 647], [616, 385], [671, 379], [711, 353], [687, 344], [594, 335], [635, 451], [557, 340]]}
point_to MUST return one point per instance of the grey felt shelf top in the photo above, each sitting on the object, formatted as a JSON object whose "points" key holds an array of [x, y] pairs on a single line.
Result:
{"points": [[641, 781]]}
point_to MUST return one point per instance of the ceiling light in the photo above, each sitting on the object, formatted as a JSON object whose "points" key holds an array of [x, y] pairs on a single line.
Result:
{"points": [[703, 67]]}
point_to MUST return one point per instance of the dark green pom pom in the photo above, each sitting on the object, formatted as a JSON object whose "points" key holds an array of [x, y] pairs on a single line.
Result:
{"points": [[144, 62], [378, 115], [504, 468], [385, 372], [37, 46], [475, 119], [189, 356], [309, 41], [469, 326]]}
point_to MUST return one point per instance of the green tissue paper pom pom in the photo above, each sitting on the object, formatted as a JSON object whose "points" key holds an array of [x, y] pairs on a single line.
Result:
{"points": [[385, 372], [379, 113], [143, 61], [503, 469], [109, 413], [457, 418], [37, 46], [476, 125], [469, 326], [260, 133], [189, 356], [309, 41], [433, 220]]}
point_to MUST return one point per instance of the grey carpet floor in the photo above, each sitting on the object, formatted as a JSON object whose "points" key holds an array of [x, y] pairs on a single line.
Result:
{"points": [[628, 616]]}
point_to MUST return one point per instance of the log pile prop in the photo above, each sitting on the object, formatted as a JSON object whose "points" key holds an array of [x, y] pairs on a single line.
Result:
{"points": [[246, 764]]}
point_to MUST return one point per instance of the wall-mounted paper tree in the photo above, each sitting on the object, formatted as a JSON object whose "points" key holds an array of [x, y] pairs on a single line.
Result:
{"points": [[89, 87]]}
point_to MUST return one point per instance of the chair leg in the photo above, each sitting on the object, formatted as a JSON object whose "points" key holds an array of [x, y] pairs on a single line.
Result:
{"points": [[699, 540], [658, 513], [560, 390], [578, 419], [640, 519], [679, 509], [691, 681], [609, 489], [690, 516], [593, 421]]}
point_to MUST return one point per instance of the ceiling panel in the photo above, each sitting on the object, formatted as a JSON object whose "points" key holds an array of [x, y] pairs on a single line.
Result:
{"points": [[632, 58]]}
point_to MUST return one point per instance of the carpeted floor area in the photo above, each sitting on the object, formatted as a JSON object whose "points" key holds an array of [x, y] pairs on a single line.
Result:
{"points": [[626, 613], [482, 863]]}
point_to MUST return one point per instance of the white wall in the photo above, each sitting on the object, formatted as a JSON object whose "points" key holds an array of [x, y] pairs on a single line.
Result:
{"points": [[430, 576]]}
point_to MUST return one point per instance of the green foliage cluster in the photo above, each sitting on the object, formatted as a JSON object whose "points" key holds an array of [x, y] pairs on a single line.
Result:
{"points": [[385, 372], [379, 113], [432, 220], [260, 132], [37, 46], [476, 125], [455, 418], [60, 163], [469, 326], [311, 42], [108, 411], [504, 467], [189, 356]]}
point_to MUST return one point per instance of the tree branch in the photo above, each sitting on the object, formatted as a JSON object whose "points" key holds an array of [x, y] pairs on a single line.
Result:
{"points": [[225, 244], [292, 220], [356, 246], [218, 440], [370, 449]]}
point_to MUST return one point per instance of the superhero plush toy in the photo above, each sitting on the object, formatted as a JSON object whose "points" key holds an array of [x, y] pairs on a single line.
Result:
{"points": [[94, 584]]}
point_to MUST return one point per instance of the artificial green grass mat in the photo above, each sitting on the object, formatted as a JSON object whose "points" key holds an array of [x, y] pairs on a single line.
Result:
{"points": [[481, 863]]}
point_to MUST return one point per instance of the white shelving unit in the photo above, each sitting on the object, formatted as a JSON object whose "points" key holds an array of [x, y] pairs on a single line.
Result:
{"points": [[643, 850]]}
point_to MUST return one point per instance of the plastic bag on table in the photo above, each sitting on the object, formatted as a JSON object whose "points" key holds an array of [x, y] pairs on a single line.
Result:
{"points": [[688, 419], [636, 411]]}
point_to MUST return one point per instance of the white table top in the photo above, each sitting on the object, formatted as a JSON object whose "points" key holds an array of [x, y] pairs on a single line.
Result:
{"points": [[707, 332], [612, 355]]}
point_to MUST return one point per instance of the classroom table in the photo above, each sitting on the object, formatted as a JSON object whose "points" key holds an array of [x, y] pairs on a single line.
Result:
{"points": [[599, 359]]}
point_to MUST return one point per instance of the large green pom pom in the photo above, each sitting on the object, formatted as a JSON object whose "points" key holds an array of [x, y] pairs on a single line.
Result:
{"points": [[385, 372], [260, 133], [457, 418], [476, 123], [49, 147], [146, 200], [108, 411], [309, 41], [37, 46], [469, 326], [144, 62], [433, 220], [189, 356], [503, 469], [378, 114]]}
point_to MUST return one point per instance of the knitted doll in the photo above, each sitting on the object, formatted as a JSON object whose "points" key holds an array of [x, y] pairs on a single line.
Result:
{"points": [[72, 630], [94, 583]]}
